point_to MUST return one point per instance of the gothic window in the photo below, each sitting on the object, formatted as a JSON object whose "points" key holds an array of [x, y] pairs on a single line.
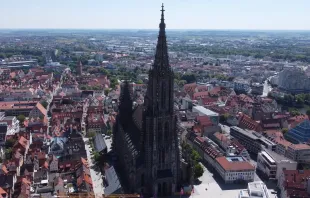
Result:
{"points": [[167, 132], [163, 156], [159, 189], [163, 94], [142, 180], [160, 132]]}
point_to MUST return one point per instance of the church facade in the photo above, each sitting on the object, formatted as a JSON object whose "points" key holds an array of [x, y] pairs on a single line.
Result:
{"points": [[146, 137]]}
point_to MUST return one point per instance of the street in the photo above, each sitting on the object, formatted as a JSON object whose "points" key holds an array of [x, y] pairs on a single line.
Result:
{"points": [[94, 173]]}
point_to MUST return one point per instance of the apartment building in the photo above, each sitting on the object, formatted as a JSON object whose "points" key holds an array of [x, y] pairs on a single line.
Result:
{"points": [[272, 164], [253, 141], [294, 183]]}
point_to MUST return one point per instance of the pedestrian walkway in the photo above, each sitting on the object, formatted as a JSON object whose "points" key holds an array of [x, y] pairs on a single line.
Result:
{"points": [[96, 176]]}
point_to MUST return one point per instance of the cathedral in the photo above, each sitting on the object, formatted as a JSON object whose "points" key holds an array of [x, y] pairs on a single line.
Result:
{"points": [[146, 137]]}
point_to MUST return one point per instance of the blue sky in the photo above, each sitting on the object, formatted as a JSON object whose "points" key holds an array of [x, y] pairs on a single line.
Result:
{"points": [[144, 14]]}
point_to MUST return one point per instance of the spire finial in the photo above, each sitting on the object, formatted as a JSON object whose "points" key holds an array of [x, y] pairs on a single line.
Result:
{"points": [[162, 11]]}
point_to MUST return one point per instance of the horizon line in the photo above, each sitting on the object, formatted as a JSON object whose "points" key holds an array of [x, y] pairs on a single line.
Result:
{"points": [[156, 29]]}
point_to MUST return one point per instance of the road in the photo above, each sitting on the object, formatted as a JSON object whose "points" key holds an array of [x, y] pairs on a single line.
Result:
{"points": [[95, 173], [267, 88]]}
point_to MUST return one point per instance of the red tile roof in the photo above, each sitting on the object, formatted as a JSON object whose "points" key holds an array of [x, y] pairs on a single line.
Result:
{"points": [[234, 166]]}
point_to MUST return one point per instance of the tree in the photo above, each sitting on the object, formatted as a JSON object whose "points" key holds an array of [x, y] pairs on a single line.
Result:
{"points": [[139, 82], [9, 143], [106, 92], [8, 153], [198, 170], [308, 113], [189, 78], [284, 130], [21, 118], [91, 134], [224, 117], [195, 156], [97, 157], [109, 132], [83, 87], [44, 104]]}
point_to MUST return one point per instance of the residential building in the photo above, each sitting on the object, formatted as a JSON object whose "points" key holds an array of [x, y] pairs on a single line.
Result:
{"points": [[294, 183], [234, 169], [299, 153], [253, 141], [272, 164], [17, 108], [38, 112]]}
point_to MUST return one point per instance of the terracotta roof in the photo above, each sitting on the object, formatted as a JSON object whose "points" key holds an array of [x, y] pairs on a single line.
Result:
{"points": [[2, 192], [203, 94], [246, 122], [41, 108], [221, 137], [23, 142], [295, 182], [204, 120], [299, 146], [4, 169], [84, 177], [234, 166]]}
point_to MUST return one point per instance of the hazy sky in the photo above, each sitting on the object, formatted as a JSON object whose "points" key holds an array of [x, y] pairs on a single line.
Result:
{"points": [[144, 14]]}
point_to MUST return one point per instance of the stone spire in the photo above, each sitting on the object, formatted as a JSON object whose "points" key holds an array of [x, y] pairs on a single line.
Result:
{"points": [[80, 68], [161, 62], [125, 106]]}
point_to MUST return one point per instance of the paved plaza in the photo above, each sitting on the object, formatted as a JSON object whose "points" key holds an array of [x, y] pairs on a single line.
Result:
{"points": [[213, 187]]}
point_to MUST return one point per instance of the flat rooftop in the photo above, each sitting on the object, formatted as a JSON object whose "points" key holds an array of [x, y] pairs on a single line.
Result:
{"points": [[276, 157], [205, 111]]}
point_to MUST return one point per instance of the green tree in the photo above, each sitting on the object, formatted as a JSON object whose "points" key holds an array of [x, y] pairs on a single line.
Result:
{"points": [[195, 156], [106, 92], [308, 113], [44, 104], [109, 132], [139, 82], [97, 157], [189, 78], [21, 118], [198, 170], [83, 87], [284, 130], [113, 82], [8, 153], [224, 117], [9, 143], [91, 134]]}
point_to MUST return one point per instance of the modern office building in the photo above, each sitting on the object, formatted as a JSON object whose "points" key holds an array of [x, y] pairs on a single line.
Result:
{"points": [[271, 164], [202, 111], [253, 141], [255, 190], [299, 153]]}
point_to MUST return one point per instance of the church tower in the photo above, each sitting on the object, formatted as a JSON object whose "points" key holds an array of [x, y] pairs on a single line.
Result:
{"points": [[160, 143], [80, 69]]}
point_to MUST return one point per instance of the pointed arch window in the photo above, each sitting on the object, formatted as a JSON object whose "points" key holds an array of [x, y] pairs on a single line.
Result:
{"points": [[167, 131], [163, 94]]}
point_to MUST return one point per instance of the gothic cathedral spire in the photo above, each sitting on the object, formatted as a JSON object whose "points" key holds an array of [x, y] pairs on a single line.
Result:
{"points": [[159, 97], [161, 56]]}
